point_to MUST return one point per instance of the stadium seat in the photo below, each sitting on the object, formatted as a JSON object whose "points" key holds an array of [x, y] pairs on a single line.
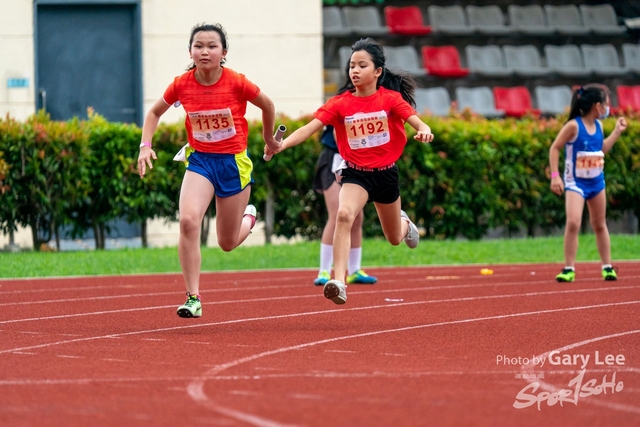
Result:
{"points": [[479, 100], [628, 98], [449, 20], [515, 101], [601, 19], [487, 19], [364, 20], [529, 20], [435, 101], [631, 56], [333, 22], [553, 100], [443, 61], [405, 21], [405, 58], [602, 60], [565, 60], [486, 61], [525, 60], [565, 19]]}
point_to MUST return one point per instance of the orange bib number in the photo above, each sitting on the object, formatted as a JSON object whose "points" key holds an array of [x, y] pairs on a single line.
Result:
{"points": [[366, 130], [589, 164], [212, 126]]}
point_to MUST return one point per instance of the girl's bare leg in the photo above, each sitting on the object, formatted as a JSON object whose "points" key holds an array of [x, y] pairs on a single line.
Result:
{"points": [[195, 196], [231, 225], [574, 205], [352, 200], [598, 218]]}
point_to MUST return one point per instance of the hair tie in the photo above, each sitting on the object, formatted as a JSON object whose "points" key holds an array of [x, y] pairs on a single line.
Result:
{"points": [[581, 90]]}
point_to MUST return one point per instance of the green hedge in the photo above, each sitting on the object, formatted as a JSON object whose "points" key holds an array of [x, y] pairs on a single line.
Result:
{"points": [[476, 175]]}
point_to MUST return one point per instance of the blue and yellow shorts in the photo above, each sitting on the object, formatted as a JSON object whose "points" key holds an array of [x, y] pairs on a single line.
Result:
{"points": [[229, 173]]}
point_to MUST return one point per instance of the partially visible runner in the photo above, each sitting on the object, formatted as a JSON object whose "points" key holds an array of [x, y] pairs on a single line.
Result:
{"points": [[368, 116], [326, 184], [584, 145], [215, 100]]}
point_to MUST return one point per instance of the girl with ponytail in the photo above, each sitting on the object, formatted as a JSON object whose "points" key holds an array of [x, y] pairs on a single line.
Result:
{"points": [[368, 116], [584, 146]]}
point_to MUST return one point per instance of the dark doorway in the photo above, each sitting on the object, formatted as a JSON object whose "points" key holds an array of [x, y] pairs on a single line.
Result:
{"points": [[88, 55]]}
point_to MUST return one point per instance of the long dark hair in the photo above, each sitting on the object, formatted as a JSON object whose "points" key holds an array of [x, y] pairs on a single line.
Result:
{"points": [[208, 27], [585, 97], [399, 81]]}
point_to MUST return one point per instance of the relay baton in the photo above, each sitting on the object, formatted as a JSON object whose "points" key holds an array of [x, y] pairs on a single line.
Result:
{"points": [[278, 137]]}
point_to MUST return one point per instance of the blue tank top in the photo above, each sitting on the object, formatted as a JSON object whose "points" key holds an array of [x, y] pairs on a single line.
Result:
{"points": [[328, 139], [583, 156]]}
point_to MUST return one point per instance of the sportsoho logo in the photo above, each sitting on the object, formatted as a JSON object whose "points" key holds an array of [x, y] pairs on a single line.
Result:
{"points": [[578, 387]]}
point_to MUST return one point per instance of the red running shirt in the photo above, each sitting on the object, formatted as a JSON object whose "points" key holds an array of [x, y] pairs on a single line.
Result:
{"points": [[215, 114], [369, 130]]}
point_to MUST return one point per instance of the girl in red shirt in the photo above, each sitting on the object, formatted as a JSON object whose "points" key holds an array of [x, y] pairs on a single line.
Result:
{"points": [[368, 117], [215, 100]]}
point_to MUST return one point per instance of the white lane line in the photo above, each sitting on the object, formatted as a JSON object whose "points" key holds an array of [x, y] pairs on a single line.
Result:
{"points": [[279, 376], [308, 313], [235, 285], [195, 389], [249, 300]]}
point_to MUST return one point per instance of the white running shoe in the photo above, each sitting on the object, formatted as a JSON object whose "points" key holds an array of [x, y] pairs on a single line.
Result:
{"points": [[336, 291], [251, 211], [413, 235]]}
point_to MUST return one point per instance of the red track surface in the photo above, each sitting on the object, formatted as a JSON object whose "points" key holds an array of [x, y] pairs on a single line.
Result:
{"points": [[423, 347]]}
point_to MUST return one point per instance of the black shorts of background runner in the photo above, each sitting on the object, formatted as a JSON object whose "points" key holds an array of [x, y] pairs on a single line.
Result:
{"points": [[324, 177]]}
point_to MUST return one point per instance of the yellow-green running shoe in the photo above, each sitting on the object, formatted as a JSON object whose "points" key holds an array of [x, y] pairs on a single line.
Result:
{"points": [[323, 277], [191, 308], [566, 275], [610, 273], [361, 278]]}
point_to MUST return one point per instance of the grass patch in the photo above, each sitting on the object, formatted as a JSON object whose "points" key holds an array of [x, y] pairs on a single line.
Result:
{"points": [[376, 253]]}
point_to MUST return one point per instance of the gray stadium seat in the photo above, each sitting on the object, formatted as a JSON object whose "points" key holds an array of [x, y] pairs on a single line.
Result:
{"points": [[566, 19], [487, 19], [553, 100], [602, 59], [631, 56], [601, 19], [333, 22], [486, 61], [525, 60], [529, 19], [364, 20], [435, 100], [479, 99], [345, 56], [449, 20], [405, 58], [565, 60]]}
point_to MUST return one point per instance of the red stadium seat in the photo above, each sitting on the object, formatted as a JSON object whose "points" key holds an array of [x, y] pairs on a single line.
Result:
{"points": [[406, 21], [443, 61], [628, 98], [515, 101]]}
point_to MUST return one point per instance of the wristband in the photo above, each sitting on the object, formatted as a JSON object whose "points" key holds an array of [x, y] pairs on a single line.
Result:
{"points": [[555, 174], [145, 144]]}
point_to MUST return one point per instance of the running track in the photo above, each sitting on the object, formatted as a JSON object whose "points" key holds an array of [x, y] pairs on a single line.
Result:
{"points": [[423, 347]]}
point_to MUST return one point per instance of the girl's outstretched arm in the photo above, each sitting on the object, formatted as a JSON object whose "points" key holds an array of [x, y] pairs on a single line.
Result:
{"points": [[148, 129], [297, 137], [424, 131], [621, 125], [265, 103], [566, 134]]}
